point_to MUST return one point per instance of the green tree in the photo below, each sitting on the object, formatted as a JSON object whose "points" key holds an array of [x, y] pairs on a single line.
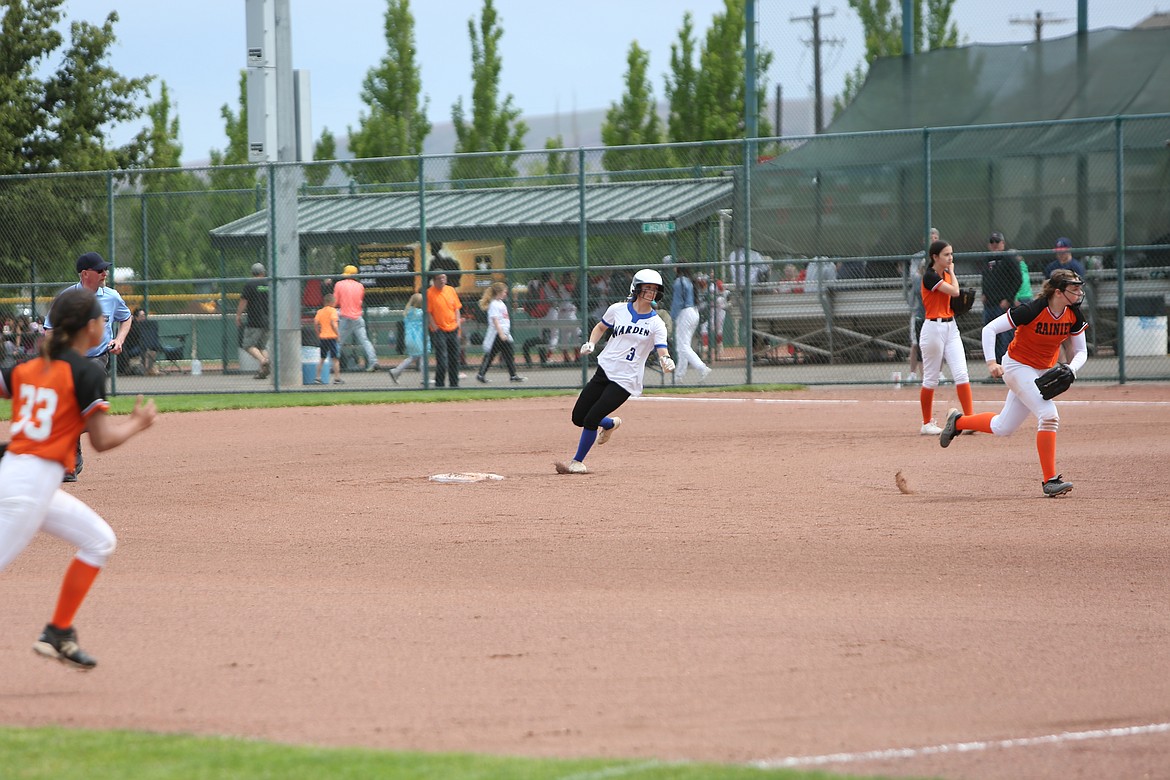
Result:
{"points": [[61, 122], [721, 84], [159, 144], [559, 162], [28, 35], [634, 120], [236, 152], [554, 168], [325, 149], [706, 97], [882, 23], [682, 83], [57, 107], [396, 124], [81, 101], [495, 126]]}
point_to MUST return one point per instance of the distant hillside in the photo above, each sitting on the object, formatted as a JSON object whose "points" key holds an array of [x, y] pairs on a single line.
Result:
{"points": [[577, 128]]}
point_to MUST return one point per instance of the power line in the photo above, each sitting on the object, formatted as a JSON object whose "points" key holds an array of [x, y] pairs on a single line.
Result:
{"points": [[1038, 21], [817, 42]]}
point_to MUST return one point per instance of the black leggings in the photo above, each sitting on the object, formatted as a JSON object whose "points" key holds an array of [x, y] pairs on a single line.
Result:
{"points": [[504, 350], [599, 398]]}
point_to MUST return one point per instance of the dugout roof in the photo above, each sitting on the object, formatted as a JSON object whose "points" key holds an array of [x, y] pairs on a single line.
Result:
{"points": [[513, 212]]}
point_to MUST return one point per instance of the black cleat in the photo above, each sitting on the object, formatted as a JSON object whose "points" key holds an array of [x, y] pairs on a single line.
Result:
{"points": [[949, 430], [61, 644], [1056, 487]]}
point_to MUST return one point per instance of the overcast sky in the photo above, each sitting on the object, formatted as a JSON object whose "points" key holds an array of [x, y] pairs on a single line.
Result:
{"points": [[557, 56]]}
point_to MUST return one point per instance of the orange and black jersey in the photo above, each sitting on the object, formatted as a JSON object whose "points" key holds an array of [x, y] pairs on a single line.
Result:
{"points": [[51, 403], [1039, 333], [935, 303]]}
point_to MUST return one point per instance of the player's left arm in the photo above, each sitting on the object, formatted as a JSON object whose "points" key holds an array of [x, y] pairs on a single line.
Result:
{"points": [[1080, 351], [664, 358]]}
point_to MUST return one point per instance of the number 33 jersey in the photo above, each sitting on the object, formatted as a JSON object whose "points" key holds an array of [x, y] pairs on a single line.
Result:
{"points": [[51, 403], [632, 337]]}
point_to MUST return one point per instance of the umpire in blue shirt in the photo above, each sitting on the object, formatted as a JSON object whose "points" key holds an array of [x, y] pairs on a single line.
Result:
{"points": [[92, 270]]}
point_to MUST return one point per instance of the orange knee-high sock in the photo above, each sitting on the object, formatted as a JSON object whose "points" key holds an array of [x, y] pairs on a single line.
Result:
{"points": [[1046, 448], [975, 422], [926, 398], [78, 579], [965, 399]]}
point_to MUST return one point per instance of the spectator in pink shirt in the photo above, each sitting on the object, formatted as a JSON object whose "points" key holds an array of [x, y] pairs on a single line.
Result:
{"points": [[349, 293]]}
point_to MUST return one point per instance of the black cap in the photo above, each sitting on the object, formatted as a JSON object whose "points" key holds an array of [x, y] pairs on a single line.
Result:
{"points": [[92, 261], [995, 238]]}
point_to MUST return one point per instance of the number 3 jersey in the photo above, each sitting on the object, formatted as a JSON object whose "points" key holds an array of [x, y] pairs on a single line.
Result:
{"points": [[632, 337], [51, 403]]}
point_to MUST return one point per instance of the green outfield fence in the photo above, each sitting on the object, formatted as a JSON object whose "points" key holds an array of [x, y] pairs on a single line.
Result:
{"points": [[830, 222]]}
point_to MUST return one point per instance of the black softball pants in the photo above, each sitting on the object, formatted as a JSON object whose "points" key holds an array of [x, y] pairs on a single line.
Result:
{"points": [[599, 398]]}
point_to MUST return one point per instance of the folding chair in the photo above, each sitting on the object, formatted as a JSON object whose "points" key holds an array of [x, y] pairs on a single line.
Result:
{"points": [[173, 353]]}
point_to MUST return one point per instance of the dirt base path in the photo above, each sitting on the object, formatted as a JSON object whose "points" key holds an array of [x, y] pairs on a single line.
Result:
{"points": [[738, 580]]}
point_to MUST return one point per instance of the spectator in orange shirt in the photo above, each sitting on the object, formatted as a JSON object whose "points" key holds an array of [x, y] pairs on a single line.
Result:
{"points": [[326, 323], [349, 294], [443, 321]]}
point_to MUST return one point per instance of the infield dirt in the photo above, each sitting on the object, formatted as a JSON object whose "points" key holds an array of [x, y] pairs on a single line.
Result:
{"points": [[739, 579]]}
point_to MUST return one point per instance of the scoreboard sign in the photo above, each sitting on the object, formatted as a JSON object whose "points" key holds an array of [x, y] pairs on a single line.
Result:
{"points": [[387, 267]]}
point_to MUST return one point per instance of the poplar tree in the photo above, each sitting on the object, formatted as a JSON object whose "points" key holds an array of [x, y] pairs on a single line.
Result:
{"points": [[396, 124], [236, 151], [324, 149], [721, 85], [881, 21], [494, 125], [634, 120], [682, 84]]}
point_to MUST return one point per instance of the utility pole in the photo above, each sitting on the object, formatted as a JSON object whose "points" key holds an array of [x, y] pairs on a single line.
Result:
{"points": [[1038, 22], [817, 42]]}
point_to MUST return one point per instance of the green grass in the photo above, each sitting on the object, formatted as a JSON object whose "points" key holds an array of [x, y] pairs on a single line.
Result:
{"points": [[218, 402], [53, 753]]}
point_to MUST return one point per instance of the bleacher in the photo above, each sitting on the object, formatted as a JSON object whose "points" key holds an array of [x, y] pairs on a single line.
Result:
{"points": [[860, 320]]}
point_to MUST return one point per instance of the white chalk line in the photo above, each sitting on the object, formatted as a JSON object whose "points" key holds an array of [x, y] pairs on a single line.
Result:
{"points": [[961, 747], [845, 401], [703, 400]]}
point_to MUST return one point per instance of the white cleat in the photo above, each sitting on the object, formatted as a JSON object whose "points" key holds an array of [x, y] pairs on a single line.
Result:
{"points": [[603, 435], [931, 429], [572, 467]]}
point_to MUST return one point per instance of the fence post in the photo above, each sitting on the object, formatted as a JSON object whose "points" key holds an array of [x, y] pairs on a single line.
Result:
{"points": [[583, 257], [424, 280], [1119, 139]]}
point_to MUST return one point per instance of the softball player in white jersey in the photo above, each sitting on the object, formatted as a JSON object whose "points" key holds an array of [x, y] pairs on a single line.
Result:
{"points": [[940, 338], [635, 330]]}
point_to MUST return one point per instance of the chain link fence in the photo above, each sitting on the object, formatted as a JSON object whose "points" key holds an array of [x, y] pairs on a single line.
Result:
{"points": [[799, 247]]}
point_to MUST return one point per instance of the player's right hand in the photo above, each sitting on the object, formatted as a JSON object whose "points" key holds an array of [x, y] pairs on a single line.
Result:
{"points": [[587, 348]]}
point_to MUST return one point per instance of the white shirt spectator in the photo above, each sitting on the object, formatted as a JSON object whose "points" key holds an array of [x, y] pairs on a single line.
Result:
{"points": [[818, 271], [756, 261]]}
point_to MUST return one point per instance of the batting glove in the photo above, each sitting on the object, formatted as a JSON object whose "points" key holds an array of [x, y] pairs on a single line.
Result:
{"points": [[587, 348], [667, 364]]}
